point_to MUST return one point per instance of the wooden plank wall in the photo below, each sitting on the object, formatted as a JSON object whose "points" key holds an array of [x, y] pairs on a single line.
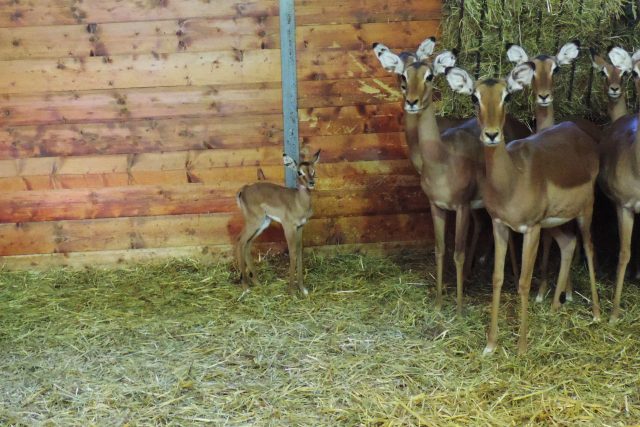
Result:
{"points": [[127, 127]]}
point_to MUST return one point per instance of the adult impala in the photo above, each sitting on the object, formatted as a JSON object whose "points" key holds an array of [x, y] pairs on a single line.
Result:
{"points": [[620, 170], [544, 69], [450, 163], [263, 202], [542, 181]]}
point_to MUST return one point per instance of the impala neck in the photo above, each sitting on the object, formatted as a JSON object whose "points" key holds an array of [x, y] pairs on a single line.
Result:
{"points": [[429, 133], [500, 170], [544, 117], [411, 125], [617, 108]]}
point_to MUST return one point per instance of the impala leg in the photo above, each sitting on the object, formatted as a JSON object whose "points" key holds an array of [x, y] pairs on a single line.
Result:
{"points": [[584, 222], [477, 227], [625, 228], [544, 264], [567, 243], [500, 238], [301, 286], [252, 229], [438, 216], [513, 255], [462, 229], [529, 252], [290, 235]]}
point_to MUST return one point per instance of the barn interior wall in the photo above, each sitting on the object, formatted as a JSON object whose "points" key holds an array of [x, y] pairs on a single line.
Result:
{"points": [[126, 128]]}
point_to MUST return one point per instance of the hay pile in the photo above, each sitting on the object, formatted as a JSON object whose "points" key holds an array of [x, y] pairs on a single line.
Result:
{"points": [[180, 344], [481, 28]]}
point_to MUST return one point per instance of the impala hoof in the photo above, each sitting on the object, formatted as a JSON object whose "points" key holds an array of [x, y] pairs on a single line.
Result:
{"points": [[305, 292], [489, 350], [539, 298], [569, 296]]}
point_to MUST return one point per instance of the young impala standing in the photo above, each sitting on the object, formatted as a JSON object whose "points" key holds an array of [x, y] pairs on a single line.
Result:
{"points": [[263, 202]]}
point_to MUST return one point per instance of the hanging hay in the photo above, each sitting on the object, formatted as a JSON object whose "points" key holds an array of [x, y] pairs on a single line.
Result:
{"points": [[484, 27], [180, 344]]}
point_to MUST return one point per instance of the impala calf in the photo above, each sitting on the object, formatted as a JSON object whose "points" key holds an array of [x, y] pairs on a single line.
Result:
{"points": [[263, 202], [542, 181], [620, 172]]}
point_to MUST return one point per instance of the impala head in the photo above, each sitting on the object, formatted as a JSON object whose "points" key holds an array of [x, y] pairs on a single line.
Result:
{"points": [[626, 63], [415, 71], [544, 67], [613, 75], [490, 97], [306, 170]]}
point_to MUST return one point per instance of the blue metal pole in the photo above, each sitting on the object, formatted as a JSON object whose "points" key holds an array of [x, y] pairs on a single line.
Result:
{"points": [[289, 85]]}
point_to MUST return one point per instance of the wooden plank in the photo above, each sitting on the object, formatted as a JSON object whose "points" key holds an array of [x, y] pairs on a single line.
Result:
{"points": [[331, 176], [129, 71], [37, 12], [351, 120], [155, 161], [120, 38], [396, 35], [78, 204], [193, 230], [362, 147], [33, 206], [338, 64], [140, 136], [349, 92], [315, 12], [204, 254], [125, 104]]}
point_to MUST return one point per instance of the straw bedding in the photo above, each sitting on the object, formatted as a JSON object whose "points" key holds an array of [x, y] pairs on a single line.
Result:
{"points": [[180, 344]]}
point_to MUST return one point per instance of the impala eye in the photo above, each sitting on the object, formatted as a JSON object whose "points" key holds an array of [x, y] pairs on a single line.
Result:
{"points": [[428, 77], [556, 70], [507, 98], [603, 74], [634, 73], [474, 99]]}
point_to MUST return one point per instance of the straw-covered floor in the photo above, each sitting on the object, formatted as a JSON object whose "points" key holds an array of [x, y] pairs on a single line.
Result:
{"points": [[180, 344]]}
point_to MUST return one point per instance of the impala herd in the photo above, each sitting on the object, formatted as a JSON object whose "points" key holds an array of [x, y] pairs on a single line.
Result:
{"points": [[531, 184]]}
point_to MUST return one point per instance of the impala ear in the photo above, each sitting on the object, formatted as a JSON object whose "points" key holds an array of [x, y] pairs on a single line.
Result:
{"points": [[636, 56], [520, 76], [426, 48], [389, 60], [568, 53], [459, 80], [516, 53], [597, 61], [443, 61], [289, 162], [316, 157], [620, 58]]}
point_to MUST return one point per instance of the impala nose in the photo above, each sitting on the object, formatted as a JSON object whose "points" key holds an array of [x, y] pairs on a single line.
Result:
{"points": [[412, 103], [491, 136]]}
